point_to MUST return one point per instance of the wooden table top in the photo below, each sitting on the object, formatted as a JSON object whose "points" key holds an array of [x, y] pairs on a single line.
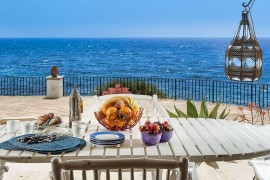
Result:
{"points": [[198, 139]]}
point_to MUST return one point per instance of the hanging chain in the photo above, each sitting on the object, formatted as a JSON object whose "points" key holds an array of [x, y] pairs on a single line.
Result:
{"points": [[252, 24], [249, 5]]}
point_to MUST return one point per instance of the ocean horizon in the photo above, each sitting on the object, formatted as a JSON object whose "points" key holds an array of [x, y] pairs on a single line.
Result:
{"points": [[191, 58]]}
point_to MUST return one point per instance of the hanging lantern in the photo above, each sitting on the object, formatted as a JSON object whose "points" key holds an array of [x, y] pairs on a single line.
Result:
{"points": [[243, 58]]}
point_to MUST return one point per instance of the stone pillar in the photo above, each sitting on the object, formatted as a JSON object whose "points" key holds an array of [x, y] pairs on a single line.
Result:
{"points": [[54, 87]]}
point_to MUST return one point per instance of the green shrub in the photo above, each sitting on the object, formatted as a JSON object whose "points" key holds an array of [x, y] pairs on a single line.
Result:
{"points": [[192, 111], [135, 87]]}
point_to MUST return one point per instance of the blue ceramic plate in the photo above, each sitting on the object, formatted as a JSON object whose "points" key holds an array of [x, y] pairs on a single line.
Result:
{"points": [[107, 143], [97, 140], [107, 136]]}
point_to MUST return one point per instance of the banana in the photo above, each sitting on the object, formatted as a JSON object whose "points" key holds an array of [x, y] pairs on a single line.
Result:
{"points": [[131, 102], [113, 100]]}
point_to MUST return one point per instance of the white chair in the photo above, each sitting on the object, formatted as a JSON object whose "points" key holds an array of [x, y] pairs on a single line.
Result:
{"points": [[261, 168], [3, 120], [65, 170]]}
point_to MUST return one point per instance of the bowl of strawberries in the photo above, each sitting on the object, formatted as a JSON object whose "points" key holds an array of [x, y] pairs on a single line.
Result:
{"points": [[153, 133], [167, 132]]}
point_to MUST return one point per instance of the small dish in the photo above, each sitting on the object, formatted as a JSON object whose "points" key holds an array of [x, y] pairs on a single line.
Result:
{"points": [[102, 146], [57, 130], [151, 139], [46, 126], [166, 136], [107, 136]]}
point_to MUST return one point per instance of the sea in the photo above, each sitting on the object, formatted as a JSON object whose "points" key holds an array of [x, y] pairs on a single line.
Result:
{"points": [[190, 58]]}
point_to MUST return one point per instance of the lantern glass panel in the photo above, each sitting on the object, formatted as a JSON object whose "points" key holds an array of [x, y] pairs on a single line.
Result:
{"points": [[249, 63], [235, 62], [247, 79], [235, 79]]}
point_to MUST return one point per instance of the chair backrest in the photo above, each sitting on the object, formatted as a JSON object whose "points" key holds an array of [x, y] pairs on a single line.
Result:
{"points": [[148, 103], [3, 120], [96, 165]]}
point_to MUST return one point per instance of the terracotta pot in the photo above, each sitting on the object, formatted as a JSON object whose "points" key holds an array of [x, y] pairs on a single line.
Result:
{"points": [[54, 71]]}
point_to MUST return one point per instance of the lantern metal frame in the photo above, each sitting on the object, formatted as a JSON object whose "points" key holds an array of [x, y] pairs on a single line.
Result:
{"points": [[243, 57], [75, 106]]}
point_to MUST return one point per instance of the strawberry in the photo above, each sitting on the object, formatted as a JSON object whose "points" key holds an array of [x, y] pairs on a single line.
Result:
{"points": [[151, 128], [147, 123], [159, 125], [142, 128], [166, 126]]}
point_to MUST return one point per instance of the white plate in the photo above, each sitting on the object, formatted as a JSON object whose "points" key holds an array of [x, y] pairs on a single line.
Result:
{"points": [[57, 130], [106, 145], [107, 137], [45, 126]]}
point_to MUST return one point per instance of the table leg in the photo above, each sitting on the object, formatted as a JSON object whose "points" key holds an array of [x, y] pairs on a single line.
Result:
{"points": [[3, 169]]}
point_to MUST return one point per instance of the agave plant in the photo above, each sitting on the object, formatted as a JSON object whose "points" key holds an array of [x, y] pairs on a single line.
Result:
{"points": [[192, 111]]}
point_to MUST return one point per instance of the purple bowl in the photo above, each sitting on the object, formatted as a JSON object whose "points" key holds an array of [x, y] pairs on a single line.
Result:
{"points": [[151, 139], [166, 136]]}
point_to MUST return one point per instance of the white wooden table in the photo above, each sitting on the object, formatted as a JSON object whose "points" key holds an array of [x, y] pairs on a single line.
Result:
{"points": [[198, 139]]}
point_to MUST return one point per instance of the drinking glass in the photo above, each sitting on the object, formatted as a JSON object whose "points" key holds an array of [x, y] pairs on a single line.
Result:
{"points": [[27, 128], [13, 125], [78, 128]]}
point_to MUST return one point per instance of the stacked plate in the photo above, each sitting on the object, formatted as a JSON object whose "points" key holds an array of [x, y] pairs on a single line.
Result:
{"points": [[107, 138]]}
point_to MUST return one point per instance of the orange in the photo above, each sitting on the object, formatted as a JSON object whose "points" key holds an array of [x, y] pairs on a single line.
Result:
{"points": [[125, 111], [119, 122], [111, 113], [105, 107], [110, 123], [134, 115]]}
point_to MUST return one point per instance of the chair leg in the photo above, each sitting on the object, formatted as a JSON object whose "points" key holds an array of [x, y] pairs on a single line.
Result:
{"points": [[174, 175], [3, 169], [51, 175], [153, 174]]}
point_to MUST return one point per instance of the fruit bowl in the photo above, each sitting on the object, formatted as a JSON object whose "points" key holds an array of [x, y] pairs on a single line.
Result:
{"points": [[167, 132], [119, 113]]}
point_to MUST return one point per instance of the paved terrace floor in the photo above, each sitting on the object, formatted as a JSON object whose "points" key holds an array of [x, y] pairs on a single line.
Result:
{"points": [[34, 106]]}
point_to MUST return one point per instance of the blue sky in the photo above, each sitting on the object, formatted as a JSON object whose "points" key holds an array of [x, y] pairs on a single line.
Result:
{"points": [[128, 18]]}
